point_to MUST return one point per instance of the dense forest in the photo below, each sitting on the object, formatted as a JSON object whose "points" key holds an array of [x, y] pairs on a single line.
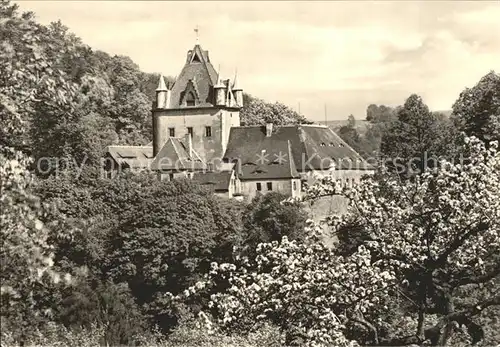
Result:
{"points": [[131, 260]]}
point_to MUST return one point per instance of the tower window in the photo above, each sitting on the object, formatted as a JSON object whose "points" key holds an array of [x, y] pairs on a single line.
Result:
{"points": [[208, 131], [259, 186], [269, 185], [190, 131], [294, 185], [190, 100], [196, 59], [171, 132]]}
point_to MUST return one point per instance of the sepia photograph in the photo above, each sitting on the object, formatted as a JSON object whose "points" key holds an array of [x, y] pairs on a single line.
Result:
{"points": [[249, 173]]}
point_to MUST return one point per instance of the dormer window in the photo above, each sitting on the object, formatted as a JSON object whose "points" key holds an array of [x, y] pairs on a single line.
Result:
{"points": [[322, 144], [190, 100]]}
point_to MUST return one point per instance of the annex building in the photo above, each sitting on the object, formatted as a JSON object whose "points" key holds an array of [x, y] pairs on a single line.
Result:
{"points": [[198, 134]]}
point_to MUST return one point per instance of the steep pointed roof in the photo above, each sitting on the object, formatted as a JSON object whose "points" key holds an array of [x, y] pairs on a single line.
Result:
{"points": [[174, 155], [199, 68], [219, 84], [161, 85], [236, 86]]}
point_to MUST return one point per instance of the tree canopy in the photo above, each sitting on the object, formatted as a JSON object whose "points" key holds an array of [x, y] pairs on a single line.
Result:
{"points": [[477, 109], [432, 253], [259, 112]]}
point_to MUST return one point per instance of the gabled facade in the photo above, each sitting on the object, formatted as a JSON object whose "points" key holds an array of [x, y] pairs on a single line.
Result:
{"points": [[200, 104]]}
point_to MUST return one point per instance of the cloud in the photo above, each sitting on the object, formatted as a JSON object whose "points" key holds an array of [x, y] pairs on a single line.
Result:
{"points": [[347, 54]]}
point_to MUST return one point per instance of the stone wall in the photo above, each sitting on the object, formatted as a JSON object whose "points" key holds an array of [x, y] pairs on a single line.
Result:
{"points": [[209, 148]]}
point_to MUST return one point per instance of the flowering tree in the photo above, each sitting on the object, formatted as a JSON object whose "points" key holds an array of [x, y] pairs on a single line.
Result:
{"points": [[431, 264]]}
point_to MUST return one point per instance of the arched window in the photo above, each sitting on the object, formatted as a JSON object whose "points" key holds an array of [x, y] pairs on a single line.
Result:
{"points": [[190, 99]]}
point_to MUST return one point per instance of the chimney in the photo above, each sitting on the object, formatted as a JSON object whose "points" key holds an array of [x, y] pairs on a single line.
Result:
{"points": [[269, 129], [189, 144]]}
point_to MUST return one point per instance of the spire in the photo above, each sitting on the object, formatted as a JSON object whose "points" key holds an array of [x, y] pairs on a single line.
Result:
{"points": [[219, 83], [196, 30], [161, 85], [236, 87]]}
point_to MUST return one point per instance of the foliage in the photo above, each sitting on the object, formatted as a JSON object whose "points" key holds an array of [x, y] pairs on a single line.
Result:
{"points": [[58, 336], [28, 78], [105, 304], [477, 110], [432, 239], [193, 334], [259, 112], [440, 233], [349, 134], [163, 244], [267, 219], [380, 114], [417, 139], [63, 101], [304, 288], [27, 255]]}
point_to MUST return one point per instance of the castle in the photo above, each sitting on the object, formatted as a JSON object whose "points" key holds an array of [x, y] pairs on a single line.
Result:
{"points": [[197, 133]]}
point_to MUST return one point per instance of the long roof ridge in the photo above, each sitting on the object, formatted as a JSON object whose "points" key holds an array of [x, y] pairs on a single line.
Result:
{"points": [[132, 146], [314, 125], [175, 147]]}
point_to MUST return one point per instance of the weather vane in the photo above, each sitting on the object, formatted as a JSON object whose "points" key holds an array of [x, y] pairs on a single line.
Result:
{"points": [[196, 30]]}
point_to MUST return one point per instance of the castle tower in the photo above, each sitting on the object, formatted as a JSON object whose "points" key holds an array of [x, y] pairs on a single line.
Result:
{"points": [[196, 104]]}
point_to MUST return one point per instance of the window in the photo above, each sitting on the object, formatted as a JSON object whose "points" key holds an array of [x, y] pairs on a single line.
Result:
{"points": [[171, 177], [208, 131], [190, 100], [196, 59], [171, 132], [190, 131], [259, 186], [269, 185], [294, 185]]}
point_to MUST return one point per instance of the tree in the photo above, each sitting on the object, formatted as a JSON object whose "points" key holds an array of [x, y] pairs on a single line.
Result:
{"points": [[105, 304], [257, 111], [166, 239], [380, 114], [417, 139], [477, 110], [267, 219], [27, 254], [434, 241], [349, 134]]}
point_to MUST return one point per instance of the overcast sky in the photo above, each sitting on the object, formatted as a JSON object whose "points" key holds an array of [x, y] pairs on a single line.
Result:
{"points": [[346, 55]]}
